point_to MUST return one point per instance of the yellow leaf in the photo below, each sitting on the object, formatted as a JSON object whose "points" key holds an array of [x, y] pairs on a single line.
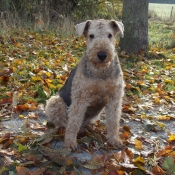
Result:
{"points": [[157, 100], [48, 74], [162, 125], [47, 63], [59, 86], [141, 83], [168, 67], [48, 80], [76, 46], [138, 144], [169, 81], [58, 76], [21, 116], [18, 44], [51, 86], [172, 137], [139, 159], [172, 57], [167, 98], [36, 78], [164, 118], [172, 153]]}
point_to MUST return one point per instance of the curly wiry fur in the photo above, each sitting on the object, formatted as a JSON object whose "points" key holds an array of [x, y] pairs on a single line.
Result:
{"points": [[95, 83]]}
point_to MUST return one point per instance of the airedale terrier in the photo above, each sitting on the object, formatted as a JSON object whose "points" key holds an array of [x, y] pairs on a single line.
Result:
{"points": [[95, 83]]}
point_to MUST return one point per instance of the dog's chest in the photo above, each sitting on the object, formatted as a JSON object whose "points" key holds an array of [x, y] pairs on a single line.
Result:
{"points": [[102, 88], [98, 95], [100, 92]]}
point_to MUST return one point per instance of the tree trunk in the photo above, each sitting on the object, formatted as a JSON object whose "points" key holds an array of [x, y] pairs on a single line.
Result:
{"points": [[135, 19]]}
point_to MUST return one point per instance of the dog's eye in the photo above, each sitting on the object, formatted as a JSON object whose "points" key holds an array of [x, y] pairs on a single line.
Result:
{"points": [[91, 36], [109, 35]]}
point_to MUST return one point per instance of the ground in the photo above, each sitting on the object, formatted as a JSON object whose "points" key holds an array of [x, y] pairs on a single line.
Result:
{"points": [[35, 64]]}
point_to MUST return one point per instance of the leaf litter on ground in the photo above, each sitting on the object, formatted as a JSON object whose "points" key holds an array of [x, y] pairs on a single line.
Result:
{"points": [[34, 65]]}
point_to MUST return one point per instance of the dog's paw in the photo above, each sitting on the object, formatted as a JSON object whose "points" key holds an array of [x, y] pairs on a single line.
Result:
{"points": [[70, 144], [116, 142]]}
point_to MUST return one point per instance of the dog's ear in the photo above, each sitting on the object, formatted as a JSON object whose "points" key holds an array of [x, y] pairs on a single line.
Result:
{"points": [[82, 28], [118, 27]]}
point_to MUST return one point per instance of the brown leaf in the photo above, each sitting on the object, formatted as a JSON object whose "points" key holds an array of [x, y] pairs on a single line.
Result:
{"points": [[6, 71], [26, 107], [113, 172], [22, 170], [5, 137], [165, 151], [157, 171], [127, 128], [128, 109], [120, 172], [40, 22], [125, 135], [127, 155], [5, 101]]}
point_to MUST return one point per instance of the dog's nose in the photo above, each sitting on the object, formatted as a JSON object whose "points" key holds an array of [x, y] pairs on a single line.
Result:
{"points": [[102, 55]]}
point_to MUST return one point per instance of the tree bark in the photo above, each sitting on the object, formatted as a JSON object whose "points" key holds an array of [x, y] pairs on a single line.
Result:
{"points": [[135, 20]]}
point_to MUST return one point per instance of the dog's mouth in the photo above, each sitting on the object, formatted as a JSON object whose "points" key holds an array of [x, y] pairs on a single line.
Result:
{"points": [[101, 64]]}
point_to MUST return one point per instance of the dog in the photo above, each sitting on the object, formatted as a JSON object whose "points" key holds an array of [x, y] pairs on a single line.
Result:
{"points": [[94, 84]]}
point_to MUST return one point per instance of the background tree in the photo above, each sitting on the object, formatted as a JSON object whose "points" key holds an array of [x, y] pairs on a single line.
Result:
{"points": [[135, 19]]}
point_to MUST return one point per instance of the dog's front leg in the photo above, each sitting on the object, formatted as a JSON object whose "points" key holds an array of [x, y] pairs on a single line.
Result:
{"points": [[113, 115], [76, 115]]}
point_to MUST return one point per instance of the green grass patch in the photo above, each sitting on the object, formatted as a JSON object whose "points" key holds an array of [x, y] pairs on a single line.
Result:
{"points": [[162, 10], [160, 35]]}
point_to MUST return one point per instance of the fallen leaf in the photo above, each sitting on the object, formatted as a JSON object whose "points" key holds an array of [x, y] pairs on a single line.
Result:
{"points": [[138, 144], [22, 170], [172, 137], [157, 170]]}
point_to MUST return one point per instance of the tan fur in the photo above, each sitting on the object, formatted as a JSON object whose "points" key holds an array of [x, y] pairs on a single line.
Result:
{"points": [[96, 85], [55, 106]]}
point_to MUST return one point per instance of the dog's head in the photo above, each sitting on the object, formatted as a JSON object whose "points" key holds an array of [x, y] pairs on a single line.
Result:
{"points": [[100, 38]]}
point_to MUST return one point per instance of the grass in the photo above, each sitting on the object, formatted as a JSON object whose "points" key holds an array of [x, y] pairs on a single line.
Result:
{"points": [[162, 10], [160, 34], [161, 25]]}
